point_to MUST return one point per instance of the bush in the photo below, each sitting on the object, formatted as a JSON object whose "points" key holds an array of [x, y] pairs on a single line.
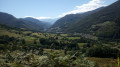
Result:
{"points": [[103, 52]]}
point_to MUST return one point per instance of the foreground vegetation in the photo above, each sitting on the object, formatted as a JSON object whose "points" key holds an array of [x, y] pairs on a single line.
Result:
{"points": [[52, 59], [23, 48]]}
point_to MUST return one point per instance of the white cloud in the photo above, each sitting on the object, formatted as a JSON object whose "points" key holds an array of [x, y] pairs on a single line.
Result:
{"points": [[39, 17], [92, 5]]}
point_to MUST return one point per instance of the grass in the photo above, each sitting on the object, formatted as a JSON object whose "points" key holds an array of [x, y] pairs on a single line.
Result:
{"points": [[72, 38], [10, 34], [25, 32], [64, 35], [104, 62], [107, 45], [29, 40], [61, 52], [81, 44]]}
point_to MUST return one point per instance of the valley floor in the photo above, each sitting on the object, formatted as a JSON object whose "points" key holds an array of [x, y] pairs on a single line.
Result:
{"points": [[33, 49]]}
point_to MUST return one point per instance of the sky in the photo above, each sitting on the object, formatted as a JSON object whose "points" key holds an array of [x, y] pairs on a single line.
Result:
{"points": [[49, 9]]}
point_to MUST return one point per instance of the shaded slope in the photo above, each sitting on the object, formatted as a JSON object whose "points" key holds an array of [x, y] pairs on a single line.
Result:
{"points": [[68, 20], [90, 24], [109, 13]]}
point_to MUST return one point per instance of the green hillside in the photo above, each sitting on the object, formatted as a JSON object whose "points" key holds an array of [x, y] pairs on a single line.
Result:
{"points": [[96, 22], [68, 20]]}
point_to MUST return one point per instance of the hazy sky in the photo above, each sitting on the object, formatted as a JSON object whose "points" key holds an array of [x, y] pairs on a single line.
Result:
{"points": [[41, 9]]}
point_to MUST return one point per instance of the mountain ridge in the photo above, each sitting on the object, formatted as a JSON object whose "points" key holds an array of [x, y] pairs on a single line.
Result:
{"points": [[69, 19], [107, 14], [10, 20]]}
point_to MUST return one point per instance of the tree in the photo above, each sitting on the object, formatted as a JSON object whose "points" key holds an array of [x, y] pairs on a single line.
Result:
{"points": [[23, 41], [35, 42], [103, 52], [43, 41]]}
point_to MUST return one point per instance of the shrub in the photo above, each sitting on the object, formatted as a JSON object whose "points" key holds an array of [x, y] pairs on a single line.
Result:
{"points": [[103, 52]]}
